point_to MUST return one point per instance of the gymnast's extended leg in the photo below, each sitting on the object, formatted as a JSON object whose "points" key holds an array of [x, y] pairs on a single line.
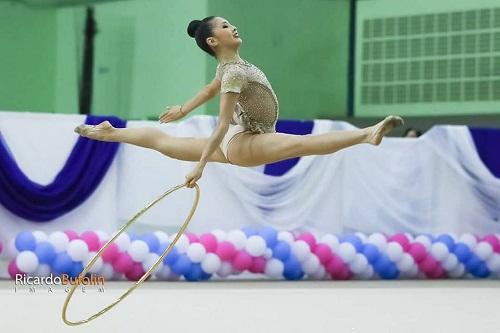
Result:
{"points": [[181, 148], [256, 149]]}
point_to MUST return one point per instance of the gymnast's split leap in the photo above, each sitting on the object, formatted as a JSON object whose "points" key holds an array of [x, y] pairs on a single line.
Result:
{"points": [[245, 134]]}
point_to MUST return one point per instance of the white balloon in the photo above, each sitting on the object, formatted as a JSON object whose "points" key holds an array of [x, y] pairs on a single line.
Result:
{"points": [[286, 236], [409, 236], [394, 251], [97, 265], [368, 273], [107, 271], [405, 263], [182, 243], [347, 252], [162, 236], [378, 240], [42, 270], [102, 235], [78, 250], [484, 250], [196, 252], [361, 236], [40, 236], [469, 240], [59, 240], [123, 242], [457, 272], [225, 269], [237, 238], [138, 250], [311, 265], [319, 274], [450, 263], [424, 240], [219, 234], [150, 261], [493, 263], [301, 250], [274, 268], [255, 246], [359, 264], [331, 240], [268, 254], [211, 264], [163, 273], [439, 251], [27, 261]]}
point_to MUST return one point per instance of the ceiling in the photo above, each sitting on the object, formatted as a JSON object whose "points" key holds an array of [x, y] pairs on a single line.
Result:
{"points": [[59, 3]]}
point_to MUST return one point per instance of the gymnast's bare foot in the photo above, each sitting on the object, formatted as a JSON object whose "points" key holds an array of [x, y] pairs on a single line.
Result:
{"points": [[376, 132], [101, 132]]}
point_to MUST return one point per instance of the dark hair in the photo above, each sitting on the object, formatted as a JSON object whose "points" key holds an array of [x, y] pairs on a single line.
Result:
{"points": [[200, 31]]}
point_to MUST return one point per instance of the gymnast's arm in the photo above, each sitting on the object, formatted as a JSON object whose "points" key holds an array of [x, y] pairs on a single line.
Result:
{"points": [[207, 93], [228, 102]]}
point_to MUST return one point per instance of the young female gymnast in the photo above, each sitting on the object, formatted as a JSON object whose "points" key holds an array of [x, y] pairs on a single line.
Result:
{"points": [[245, 134]]}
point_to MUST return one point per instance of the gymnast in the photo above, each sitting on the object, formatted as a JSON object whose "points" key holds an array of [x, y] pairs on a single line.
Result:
{"points": [[245, 134]]}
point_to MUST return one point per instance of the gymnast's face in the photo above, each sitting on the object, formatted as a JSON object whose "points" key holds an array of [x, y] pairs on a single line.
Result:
{"points": [[225, 35]]}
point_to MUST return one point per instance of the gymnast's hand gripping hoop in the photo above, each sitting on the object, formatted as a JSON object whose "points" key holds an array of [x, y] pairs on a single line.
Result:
{"points": [[146, 275]]}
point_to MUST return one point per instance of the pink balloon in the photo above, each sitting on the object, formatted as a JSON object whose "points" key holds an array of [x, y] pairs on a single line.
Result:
{"points": [[324, 253], [13, 269], [242, 261], [209, 242], [258, 265], [437, 273], [123, 263], [71, 234], [225, 250], [1, 247], [309, 239], [343, 274], [428, 265], [136, 272], [110, 254], [334, 265], [402, 240], [91, 239], [192, 237], [418, 252], [493, 241]]}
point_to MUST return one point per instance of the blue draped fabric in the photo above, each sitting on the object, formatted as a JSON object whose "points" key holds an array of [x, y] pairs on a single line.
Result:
{"points": [[487, 142], [298, 127], [84, 169]]}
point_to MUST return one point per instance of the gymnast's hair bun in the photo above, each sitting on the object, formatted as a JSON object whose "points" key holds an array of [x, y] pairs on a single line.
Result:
{"points": [[192, 27]]}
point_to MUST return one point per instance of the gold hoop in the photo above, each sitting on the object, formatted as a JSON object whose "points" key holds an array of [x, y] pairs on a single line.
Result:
{"points": [[146, 275]]}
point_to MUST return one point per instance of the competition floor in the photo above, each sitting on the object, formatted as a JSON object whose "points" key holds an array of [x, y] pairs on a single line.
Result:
{"points": [[262, 306]]}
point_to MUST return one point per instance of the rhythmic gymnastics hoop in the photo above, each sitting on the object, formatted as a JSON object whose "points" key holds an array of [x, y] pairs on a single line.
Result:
{"points": [[146, 275]]}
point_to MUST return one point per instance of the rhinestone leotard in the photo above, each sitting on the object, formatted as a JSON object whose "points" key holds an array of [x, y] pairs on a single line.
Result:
{"points": [[257, 108]]}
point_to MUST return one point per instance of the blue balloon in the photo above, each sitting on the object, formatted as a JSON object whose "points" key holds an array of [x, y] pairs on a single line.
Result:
{"points": [[45, 252], [194, 273], [152, 241], [447, 240], [382, 264], [25, 241], [249, 231], [281, 251], [62, 263], [481, 271], [354, 240], [133, 236], [170, 258], [182, 265], [371, 253], [473, 262], [270, 235], [389, 272], [292, 269], [76, 269], [462, 252]]}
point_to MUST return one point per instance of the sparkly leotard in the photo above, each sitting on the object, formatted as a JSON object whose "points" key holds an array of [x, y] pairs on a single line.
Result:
{"points": [[257, 108]]}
